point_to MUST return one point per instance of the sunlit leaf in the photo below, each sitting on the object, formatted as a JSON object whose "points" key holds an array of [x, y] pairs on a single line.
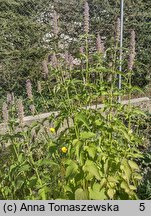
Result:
{"points": [[80, 194], [111, 193], [97, 194], [87, 135], [82, 118], [133, 165], [92, 168], [71, 170]]}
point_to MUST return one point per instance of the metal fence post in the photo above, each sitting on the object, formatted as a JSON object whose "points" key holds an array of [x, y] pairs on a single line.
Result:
{"points": [[121, 47]]}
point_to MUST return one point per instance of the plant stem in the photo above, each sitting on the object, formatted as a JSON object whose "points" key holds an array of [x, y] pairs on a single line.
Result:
{"points": [[87, 59], [43, 194], [129, 99]]}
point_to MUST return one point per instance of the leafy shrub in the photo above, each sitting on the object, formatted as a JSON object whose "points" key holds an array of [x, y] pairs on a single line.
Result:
{"points": [[82, 152]]}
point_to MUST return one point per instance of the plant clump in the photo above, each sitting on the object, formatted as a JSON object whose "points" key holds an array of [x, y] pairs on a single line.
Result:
{"points": [[79, 152]]}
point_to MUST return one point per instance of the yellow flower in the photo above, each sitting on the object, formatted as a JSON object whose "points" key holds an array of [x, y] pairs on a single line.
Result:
{"points": [[64, 149], [52, 130]]}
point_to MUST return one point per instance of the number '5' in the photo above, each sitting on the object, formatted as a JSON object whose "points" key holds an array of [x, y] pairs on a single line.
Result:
{"points": [[142, 206]]}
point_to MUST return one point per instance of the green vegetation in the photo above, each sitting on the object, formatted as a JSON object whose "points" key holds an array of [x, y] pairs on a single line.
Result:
{"points": [[79, 153], [26, 26]]}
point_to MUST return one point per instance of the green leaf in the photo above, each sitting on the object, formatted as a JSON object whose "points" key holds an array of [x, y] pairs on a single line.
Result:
{"points": [[75, 141], [91, 149], [87, 135], [20, 183], [106, 166], [89, 177], [123, 130], [81, 117], [133, 165], [111, 193], [125, 186], [96, 194], [46, 162], [125, 133], [32, 181], [80, 194], [67, 188], [135, 155], [20, 157], [13, 167], [98, 122], [139, 112], [77, 146], [112, 179], [132, 187], [96, 187], [82, 158], [127, 169], [136, 88], [24, 168], [103, 182], [52, 147], [92, 168], [72, 170], [137, 176], [41, 192]]}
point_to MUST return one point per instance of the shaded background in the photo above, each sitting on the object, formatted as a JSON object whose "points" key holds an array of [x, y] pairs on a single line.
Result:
{"points": [[26, 27]]}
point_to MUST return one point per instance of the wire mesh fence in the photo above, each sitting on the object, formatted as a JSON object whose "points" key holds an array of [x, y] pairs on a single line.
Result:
{"points": [[27, 38]]}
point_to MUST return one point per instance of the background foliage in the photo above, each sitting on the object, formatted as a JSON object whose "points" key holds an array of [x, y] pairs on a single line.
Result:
{"points": [[26, 27]]}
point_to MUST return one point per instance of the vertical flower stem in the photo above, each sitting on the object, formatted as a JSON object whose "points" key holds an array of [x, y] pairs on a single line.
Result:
{"points": [[129, 99], [87, 59]]}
